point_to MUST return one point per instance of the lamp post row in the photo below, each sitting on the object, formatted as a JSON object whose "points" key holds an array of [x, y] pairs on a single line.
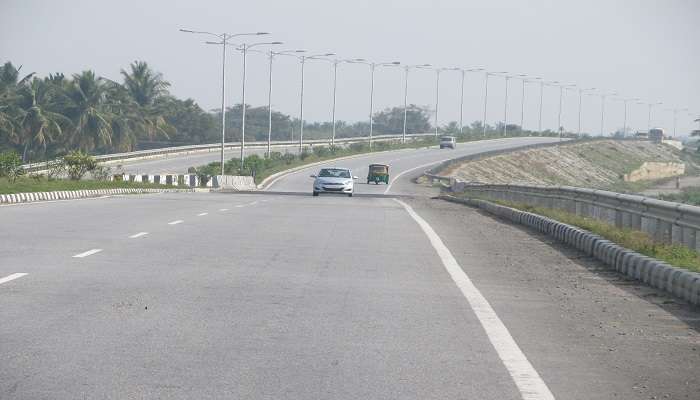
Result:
{"points": [[224, 40]]}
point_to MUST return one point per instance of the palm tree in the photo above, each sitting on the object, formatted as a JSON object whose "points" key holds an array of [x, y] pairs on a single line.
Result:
{"points": [[87, 109], [38, 125], [143, 84]]}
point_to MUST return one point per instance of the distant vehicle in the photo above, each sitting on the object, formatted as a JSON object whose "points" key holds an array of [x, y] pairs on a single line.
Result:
{"points": [[656, 134], [448, 141], [334, 180], [378, 173]]}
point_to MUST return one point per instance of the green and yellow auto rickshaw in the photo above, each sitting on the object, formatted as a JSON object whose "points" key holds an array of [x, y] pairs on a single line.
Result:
{"points": [[378, 173]]}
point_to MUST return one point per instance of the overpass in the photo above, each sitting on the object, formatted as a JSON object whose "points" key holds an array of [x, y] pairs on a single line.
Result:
{"points": [[270, 296]]}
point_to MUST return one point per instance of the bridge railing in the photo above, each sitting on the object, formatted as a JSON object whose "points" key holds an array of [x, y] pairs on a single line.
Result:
{"points": [[665, 221], [202, 148]]}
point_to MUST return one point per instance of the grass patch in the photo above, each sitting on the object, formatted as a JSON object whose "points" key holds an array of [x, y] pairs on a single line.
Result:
{"points": [[41, 184], [673, 254], [690, 195]]}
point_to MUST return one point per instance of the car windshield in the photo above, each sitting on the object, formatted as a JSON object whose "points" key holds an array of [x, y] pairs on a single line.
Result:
{"points": [[334, 173], [446, 139]]}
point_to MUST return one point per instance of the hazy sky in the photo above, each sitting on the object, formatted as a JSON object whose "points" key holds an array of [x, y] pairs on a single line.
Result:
{"points": [[645, 49]]}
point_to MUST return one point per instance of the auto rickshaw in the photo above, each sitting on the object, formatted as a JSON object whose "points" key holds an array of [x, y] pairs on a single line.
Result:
{"points": [[378, 173]]}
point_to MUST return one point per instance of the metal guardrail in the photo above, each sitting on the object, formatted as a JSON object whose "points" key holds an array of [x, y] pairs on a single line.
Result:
{"points": [[665, 221], [200, 148]]}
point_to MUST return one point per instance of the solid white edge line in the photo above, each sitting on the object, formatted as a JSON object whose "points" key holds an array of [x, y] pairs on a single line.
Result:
{"points": [[179, 221], [526, 378], [12, 277], [87, 253], [138, 235], [202, 214]]}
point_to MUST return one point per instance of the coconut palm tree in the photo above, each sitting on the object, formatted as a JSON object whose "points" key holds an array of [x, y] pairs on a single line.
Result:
{"points": [[143, 84], [38, 125], [88, 110]]}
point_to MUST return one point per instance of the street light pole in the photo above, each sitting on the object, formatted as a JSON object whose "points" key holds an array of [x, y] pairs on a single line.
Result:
{"points": [[437, 97], [539, 122], [486, 99], [405, 96], [272, 55], [580, 101], [649, 116], [224, 38], [505, 108], [303, 59], [244, 49], [335, 82]]}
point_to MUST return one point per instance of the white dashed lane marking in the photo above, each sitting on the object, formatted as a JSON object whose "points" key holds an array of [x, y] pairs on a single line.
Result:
{"points": [[202, 214], [138, 235], [179, 221], [223, 209], [12, 277], [87, 253]]}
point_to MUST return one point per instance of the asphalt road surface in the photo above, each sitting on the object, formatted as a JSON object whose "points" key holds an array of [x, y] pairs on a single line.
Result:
{"points": [[266, 296]]}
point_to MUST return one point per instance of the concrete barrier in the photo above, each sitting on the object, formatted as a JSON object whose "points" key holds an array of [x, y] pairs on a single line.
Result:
{"points": [[675, 281], [665, 221], [77, 194]]}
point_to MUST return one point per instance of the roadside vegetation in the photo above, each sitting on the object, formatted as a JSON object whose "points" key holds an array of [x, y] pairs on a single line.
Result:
{"points": [[690, 195], [43, 118], [673, 254], [66, 173]]}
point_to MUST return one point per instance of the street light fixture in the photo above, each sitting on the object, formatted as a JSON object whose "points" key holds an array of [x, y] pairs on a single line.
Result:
{"points": [[303, 59], [407, 68], [271, 56], [223, 41]]}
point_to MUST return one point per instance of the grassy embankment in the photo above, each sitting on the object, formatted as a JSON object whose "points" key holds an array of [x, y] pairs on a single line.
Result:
{"points": [[40, 184], [675, 255]]}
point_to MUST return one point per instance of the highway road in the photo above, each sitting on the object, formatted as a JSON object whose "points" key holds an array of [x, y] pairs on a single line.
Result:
{"points": [[268, 296]]}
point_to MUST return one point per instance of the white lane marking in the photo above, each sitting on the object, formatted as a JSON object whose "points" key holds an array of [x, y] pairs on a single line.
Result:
{"points": [[247, 204], [12, 277], [87, 253], [179, 221], [223, 209], [202, 214], [526, 378], [138, 235]]}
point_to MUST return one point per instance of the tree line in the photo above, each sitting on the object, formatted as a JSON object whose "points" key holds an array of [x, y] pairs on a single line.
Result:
{"points": [[44, 118]]}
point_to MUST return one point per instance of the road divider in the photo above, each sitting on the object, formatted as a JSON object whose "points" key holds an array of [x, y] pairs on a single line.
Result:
{"points": [[17, 198], [675, 281]]}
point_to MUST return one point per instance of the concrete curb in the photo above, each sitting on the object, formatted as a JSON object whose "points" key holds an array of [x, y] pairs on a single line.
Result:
{"points": [[78, 194], [657, 274]]}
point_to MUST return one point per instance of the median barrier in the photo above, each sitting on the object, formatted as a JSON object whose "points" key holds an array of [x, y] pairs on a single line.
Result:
{"points": [[78, 194]]}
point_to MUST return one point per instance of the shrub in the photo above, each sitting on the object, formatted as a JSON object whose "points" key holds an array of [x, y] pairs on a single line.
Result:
{"points": [[78, 164], [55, 170], [321, 151], [305, 153], [101, 173], [11, 165], [289, 158]]}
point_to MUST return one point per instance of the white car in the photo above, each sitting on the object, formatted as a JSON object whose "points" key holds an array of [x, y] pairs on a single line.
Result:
{"points": [[448, 142], [334, 180]]}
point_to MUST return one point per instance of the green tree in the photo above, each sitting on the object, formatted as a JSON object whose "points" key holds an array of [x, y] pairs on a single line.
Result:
{"points": [[390, 120], [87, 109]]}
